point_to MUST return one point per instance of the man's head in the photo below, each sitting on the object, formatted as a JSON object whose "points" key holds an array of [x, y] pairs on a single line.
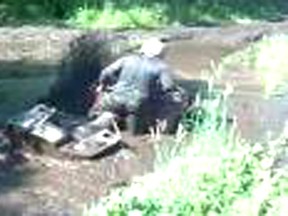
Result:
{"points": [[152, 47]]}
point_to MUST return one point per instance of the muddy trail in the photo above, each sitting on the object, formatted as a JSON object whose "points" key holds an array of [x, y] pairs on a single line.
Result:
{"points": [[46, 185], [49, 185]]}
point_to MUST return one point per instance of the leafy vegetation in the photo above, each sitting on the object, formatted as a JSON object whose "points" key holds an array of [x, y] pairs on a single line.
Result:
{"points": [[211, 172], [139, 13], [136, 17]]}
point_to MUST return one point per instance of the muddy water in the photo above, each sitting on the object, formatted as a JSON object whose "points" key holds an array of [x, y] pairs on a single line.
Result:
{"points": [[19, 93], [257, 116], [191, 59]]}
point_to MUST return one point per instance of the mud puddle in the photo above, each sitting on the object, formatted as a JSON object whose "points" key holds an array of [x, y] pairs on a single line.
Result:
{"points": [[48, 185]]}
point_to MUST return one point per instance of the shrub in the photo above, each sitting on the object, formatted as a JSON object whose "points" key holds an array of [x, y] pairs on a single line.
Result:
{"points": [[136, 17], [211, 173]]}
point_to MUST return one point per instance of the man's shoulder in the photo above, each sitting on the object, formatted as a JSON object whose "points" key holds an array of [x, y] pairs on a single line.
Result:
{"points": [[130, 57]]}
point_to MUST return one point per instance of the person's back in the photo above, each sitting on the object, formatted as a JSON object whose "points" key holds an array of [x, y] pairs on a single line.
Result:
{"points": [[143, 77], [142, 80]]}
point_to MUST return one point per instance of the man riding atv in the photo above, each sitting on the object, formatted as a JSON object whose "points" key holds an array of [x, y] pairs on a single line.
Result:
{"points": [[140, 88]]}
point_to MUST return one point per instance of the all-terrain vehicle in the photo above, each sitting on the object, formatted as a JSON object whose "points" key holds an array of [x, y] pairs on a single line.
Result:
{"points": [[44, 128]]}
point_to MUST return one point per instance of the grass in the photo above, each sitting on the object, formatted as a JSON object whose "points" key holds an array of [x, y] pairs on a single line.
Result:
{"points": [[212, 172], [266, 58]]}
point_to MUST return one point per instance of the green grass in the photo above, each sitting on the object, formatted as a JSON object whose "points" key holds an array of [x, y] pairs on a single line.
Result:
{"points": [[137, 17], [210, 172]]}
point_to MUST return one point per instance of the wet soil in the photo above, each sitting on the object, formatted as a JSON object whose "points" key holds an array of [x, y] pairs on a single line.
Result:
{"points": [[46, 185], [49, 185], [258, 116], [192, 59]]}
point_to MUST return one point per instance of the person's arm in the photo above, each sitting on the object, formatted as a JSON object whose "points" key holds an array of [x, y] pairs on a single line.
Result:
{"points": [[167, 79], [111, 70]]}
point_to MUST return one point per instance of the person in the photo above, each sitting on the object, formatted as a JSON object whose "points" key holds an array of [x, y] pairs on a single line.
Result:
{"points": [[135, 85]]}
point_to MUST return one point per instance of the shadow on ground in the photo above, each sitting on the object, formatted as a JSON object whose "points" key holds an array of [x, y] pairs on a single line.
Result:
{"points": [[10, 210], [21, 86], [13, 177]]}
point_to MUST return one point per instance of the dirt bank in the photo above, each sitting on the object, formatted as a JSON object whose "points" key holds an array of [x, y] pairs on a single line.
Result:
{"points": [[39, 49]]}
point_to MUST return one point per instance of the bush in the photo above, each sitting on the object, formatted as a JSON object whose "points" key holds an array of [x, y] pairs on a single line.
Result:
{"points": [[136, 17], [213, 173]]}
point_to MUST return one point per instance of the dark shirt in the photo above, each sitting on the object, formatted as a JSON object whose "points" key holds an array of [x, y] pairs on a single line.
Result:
{"points": [[139, 75]]}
